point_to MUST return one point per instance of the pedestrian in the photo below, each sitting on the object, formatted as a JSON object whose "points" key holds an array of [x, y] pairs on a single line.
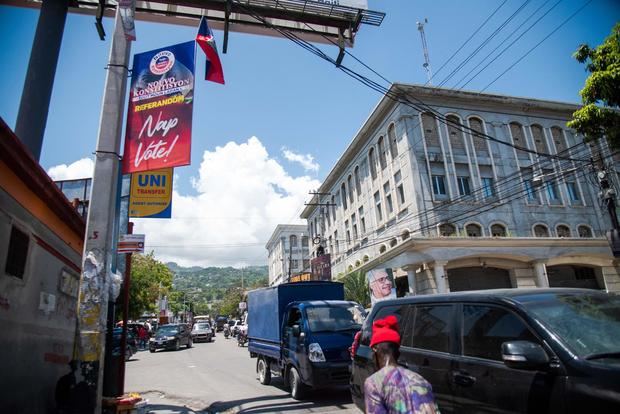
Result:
{"points": [[394, 389], [143, 336]]}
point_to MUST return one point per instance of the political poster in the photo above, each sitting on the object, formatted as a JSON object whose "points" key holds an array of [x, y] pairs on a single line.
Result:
{"points": [[151, 194], [159, 118], [381, 284], [321, 267]]}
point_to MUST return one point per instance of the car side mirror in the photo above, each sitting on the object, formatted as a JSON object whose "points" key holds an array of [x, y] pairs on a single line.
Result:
{"points": [[524, 355], [296, 331]]}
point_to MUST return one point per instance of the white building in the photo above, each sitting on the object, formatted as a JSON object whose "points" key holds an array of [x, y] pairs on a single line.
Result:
{"points": [[454, 210], [288, 252]]}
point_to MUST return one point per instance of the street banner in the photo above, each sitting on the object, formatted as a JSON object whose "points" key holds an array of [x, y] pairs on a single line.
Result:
{"points": [[206, 41], [159, 118], [151, 194], [321, 267], [130, 243], [381, 284]]}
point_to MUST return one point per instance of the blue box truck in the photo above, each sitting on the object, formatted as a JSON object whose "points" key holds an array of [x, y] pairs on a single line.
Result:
{"points": [[302, 332]]}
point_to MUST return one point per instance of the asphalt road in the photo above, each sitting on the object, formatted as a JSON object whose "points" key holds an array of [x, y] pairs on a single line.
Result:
{"points": [[218, 377]]}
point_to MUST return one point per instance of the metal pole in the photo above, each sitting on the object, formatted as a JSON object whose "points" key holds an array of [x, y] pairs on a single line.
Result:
{"points": [[99, 246], [126, 287], [37, 93]]}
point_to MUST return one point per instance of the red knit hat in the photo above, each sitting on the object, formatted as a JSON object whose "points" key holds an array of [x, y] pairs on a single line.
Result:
{"points": [[385, 330]]}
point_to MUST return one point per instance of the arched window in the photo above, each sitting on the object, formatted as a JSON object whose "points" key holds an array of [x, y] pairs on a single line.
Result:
{"points": [[343, 195], [473, 230], [429, 129], [381, 149], [358, 184], [585, 232], [480, 144], [350, 185], [563, 231], [405, 235], [365, 258], [498, 230], [293, 240], [518, 139], [558, 139], [382, 249], [392, 141], [455, 133], [393, 242], [447, 230], [539, 139], [372, 163], [540, 230]]}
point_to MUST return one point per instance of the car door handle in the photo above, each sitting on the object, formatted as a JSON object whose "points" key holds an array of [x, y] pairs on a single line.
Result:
{"points": [[463, 379]]}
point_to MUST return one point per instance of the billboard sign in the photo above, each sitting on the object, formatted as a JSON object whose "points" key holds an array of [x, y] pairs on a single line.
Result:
{"points": [[381, 284], [321, 267], [130, 243], [151, 194], [159, 119]]}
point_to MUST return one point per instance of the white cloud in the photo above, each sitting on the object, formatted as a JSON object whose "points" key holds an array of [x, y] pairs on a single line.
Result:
{"points": [[80, 169], [305, 160], [243, 194]]}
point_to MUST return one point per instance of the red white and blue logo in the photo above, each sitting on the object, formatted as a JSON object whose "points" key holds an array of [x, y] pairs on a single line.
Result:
{"points": [[162, 62]]}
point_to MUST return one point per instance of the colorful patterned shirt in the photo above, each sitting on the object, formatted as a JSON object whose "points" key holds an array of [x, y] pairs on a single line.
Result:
{"points": [[398, 390]]}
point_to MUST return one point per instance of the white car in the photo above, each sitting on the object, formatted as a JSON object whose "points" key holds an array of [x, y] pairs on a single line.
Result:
{"points": [[202, 332]]}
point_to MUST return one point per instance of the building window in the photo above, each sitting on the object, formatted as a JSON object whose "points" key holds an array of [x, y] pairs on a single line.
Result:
{"points": [[378, 207], [447, 230], [464, 188], [400, 190], [294, 264], [392, 141], [333, 208], [336, 242], [573, 193], [304, 241], [354, 224], [382, 158], [343, 195], [429, 129], [480, 144], [498, 230], [372, 163], [532, 197], [362, 220], [388, 197], [585, 232], [473, 230], [558, 139], [519, 140], [293, 239], [563, 231], [358, 184], [17, 253], [439, 186], [488, 187], [350, 185], [541, 230], [539, 139], [552, 191]]}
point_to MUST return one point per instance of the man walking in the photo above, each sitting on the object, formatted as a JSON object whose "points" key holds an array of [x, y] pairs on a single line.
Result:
{"points": [[394, 389]]}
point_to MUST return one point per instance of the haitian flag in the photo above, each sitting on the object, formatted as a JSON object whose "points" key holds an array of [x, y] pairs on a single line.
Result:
{"points": [[206, 41], [159, 118]]}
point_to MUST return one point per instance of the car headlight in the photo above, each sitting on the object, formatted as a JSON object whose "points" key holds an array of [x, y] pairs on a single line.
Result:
{"points": [[170, 338], [316, 353]]}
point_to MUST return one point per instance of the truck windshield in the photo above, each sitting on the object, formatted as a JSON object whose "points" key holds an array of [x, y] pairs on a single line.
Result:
{"points": [[335, 318], [588, 323]]}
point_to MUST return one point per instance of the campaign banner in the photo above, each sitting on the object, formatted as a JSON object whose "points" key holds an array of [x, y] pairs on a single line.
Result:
{"points": [[151, 194], [321, 267], [381, 284], [159, 118]]}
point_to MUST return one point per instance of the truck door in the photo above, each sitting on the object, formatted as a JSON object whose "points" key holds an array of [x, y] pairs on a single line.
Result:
{"points": [[291, 344]]}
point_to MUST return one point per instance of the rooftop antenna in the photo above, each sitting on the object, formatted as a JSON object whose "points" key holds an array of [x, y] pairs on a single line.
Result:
{"points": [[427, 59]]}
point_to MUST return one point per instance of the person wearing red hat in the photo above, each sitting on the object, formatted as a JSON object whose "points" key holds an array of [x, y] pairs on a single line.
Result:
{"points": [[394, 389]]}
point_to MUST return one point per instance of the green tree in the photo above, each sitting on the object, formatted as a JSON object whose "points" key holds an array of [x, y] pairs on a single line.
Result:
{"points": [[149, 279], [356, 288], [603, 88], [230, 303]]}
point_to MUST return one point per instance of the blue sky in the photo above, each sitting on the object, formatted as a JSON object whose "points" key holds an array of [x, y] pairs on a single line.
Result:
{"points": [[288, 98]]}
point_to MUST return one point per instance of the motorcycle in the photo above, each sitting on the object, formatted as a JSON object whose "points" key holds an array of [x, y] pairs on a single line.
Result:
{"points": [[242, 338], [226, 332]]}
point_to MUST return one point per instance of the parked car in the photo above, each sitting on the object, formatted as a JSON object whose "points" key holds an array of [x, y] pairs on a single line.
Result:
{"points": [[171, 336], [202, 332], [131, 343], [508, 351]]}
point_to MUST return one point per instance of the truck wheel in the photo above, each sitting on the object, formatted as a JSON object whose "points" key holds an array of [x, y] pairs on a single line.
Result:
{"points": [[298, 388], [264, 372]]}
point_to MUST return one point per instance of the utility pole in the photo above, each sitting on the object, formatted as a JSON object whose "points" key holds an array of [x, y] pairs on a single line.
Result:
{"points": [[99, 240], [608, 197], [427, 59]]}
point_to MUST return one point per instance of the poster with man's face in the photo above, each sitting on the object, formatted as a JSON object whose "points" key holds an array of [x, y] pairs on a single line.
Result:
{"points": [[381, 284]]}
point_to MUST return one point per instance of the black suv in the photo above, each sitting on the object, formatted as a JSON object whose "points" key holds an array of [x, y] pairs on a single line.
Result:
{"points": [[506, 351], [171, 336]]}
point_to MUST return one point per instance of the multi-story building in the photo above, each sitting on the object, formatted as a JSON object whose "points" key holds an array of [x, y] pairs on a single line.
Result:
{"points": [[449, 188], [288, 252]]}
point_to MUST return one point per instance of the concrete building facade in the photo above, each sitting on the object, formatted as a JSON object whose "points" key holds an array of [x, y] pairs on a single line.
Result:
{"points": [[288, 252], [424, 190]]}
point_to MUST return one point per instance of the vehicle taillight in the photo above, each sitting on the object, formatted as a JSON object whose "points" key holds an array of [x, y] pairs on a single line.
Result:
{"points": [[355, 344]]}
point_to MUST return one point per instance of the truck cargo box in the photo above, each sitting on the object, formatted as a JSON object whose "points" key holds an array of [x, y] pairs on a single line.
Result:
{"points": [[266, 306]]}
